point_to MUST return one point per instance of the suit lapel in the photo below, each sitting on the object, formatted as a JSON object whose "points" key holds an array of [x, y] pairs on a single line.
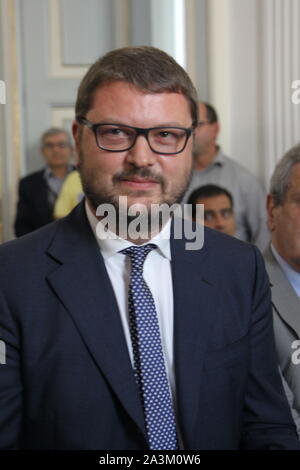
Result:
{"points": [[83, 286], [284, 298], [194, 301]]}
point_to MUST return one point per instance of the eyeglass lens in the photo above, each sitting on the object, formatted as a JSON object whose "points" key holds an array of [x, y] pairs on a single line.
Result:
{"points": [[164, 139]]}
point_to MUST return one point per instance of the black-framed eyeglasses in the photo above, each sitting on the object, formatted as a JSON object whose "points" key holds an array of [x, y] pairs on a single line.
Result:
{"points": [[115, 137]]}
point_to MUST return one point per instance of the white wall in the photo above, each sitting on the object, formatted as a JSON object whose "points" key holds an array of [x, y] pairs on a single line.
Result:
{"points": [[253, 50]]}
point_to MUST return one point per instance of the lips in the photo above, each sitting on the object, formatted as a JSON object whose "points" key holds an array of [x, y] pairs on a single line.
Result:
{"points": [[139, 183]]}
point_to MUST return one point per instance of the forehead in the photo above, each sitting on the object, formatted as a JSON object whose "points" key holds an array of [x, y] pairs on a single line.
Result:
{"points": [[128, 104], [56, 137], [215, 202], [295, 177]]}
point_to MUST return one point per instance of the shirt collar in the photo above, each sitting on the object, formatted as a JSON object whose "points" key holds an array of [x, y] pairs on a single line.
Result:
{"points": [[49, 174], [292, 275], [111, 246], [219, 158]]}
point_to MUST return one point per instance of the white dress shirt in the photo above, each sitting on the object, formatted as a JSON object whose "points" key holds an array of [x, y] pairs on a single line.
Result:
{"points": [[157, 274], [292, 276]]}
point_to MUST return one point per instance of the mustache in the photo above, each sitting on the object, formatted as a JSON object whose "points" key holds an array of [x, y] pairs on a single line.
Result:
{"points": [[145, 173]]}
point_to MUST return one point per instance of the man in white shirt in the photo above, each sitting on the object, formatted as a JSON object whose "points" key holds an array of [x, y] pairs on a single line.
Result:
{"points": [[134, 344], [283, 266]]}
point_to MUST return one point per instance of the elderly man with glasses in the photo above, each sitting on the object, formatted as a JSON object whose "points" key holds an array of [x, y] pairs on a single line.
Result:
{"points": [[39, 191]]}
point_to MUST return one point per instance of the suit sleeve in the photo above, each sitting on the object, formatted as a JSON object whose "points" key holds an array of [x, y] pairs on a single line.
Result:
{"points": [[291, 400], [267, 421], [23, 222], [11, 389]]}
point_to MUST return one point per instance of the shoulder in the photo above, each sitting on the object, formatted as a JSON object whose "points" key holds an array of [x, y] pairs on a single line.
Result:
{"points": [[73, 176], [26, 247], [73, 181], [224, 256], [32, 178], [230, 250], [239, 169], [269, 258], [30, 249]]}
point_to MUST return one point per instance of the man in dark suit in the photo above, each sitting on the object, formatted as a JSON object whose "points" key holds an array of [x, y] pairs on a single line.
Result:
{"points": [[116, 343], [38, 191], [282, 260], [218, 207]]}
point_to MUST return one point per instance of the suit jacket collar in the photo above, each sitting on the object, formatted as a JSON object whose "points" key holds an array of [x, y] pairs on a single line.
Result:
{"points": [[81, 282], [284, 298]]}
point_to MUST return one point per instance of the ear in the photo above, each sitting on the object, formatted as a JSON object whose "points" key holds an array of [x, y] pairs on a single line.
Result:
{"points": [[76, 136], [76, 132], [216, 129], [271, 212]]}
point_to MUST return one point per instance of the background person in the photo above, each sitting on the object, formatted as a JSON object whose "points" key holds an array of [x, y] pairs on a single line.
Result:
{"points": [[38, 191], [218, 207], [212, 166], [283, 265]]}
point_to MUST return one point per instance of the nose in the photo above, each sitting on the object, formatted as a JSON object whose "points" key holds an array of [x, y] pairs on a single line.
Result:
{"points": [[219, 221], [141, 155]]}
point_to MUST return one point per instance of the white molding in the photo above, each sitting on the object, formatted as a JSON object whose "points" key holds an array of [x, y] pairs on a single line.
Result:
{"points": [[191, 39], [179, 31], [219, 64], [57, 67], [10, 112], [280, 67], [122, 22], [61, 114], [295, 61]]}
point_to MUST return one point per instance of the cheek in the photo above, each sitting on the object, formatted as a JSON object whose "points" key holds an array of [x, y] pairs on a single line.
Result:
{"points": [[209, 224], [101, 163], [178, 168]]}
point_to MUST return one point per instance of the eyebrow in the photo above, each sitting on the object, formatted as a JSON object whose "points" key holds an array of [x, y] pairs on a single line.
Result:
{"points": [[218, 210], [111, 120]]}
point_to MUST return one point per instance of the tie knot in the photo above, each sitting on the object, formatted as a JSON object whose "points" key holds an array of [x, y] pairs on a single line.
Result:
{"points": [[138, 254]]}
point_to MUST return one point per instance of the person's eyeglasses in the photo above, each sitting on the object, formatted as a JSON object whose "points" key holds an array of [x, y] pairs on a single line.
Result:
{"points": [[115, 137], [51, 145]]}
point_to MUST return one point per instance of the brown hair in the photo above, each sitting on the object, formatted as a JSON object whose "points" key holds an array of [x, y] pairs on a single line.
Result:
{"points": [[145, 67]]}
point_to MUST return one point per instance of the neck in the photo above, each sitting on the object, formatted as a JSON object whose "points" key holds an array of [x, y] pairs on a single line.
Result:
{"points": [[203, 160], [59, 171]]}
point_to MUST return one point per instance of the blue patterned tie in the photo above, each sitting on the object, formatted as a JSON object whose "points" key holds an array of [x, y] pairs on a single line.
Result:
{"points": [[149, 365]]}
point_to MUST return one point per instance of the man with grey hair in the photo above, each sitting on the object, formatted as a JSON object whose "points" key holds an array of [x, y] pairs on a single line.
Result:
{"points": [[283, 266], [39, 190]]}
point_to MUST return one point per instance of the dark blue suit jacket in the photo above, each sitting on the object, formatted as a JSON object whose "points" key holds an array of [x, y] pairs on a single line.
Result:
{"points": [[33, 209], [68, 382]]}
